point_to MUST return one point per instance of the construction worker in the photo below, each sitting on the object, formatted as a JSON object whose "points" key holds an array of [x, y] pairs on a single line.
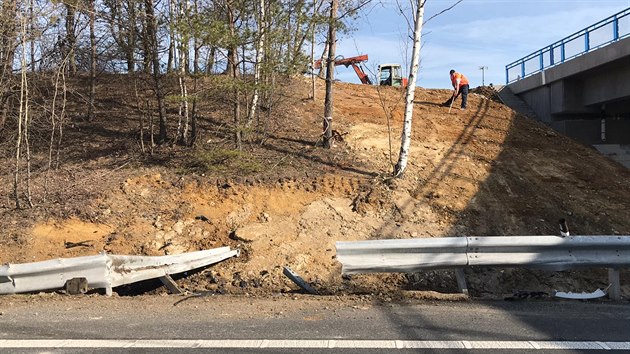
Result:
{"points": [[460, 85]]}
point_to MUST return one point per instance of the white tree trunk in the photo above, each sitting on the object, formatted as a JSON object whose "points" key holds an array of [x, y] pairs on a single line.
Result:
{"points": [[260, 53], [172, 35], [405, 142], [179, 41], [23, 124]]}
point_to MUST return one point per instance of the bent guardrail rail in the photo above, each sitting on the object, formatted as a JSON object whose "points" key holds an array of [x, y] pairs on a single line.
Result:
{"points": [[545, 252], [103, 270]]}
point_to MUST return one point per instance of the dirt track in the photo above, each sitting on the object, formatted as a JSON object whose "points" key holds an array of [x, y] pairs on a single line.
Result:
{"points": [[483, 171]]}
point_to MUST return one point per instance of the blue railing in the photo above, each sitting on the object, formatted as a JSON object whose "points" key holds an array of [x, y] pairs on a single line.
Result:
{"points": [[604, 32]]}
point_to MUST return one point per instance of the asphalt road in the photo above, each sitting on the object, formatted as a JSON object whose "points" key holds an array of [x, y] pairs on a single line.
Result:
{"points": [[302, 324]]}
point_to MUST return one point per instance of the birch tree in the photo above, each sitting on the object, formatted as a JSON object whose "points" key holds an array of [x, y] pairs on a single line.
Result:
{"points": [[405, 142], [180, 38], [260, 45]]}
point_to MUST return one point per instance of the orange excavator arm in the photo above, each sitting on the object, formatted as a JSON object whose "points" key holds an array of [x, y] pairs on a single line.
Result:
{"points": [[362, 75], [354, 62]]}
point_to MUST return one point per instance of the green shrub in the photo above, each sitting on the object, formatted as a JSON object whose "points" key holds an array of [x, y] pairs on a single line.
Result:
{"points": [[223, 161]]}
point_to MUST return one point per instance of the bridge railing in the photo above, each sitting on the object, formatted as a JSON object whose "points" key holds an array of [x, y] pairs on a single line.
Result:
{"points": [[604, 32]]}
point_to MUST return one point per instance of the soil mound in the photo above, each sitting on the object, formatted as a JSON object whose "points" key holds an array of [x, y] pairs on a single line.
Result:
{"points": [[285, 201]]}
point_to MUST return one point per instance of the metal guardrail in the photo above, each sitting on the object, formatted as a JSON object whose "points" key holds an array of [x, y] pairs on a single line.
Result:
{"points": [[103, 271], [602, 33], [408, 255], [548, 252], [545, 252]]}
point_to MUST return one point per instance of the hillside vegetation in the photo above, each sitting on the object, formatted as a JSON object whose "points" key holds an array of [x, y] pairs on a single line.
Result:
{"points": [[285, 201]]}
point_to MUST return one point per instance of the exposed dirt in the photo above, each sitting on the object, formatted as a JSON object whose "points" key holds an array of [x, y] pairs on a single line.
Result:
{"points": [[285, 201]]}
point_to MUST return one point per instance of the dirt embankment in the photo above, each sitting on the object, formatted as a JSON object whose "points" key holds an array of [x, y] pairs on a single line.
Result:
{"points": [[285, 201]]}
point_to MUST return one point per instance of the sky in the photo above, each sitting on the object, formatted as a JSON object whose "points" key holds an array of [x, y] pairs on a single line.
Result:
{"points": [[474, 34]]}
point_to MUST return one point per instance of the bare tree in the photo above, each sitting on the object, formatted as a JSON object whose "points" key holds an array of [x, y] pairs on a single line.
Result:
{"points": [[333, 24], [171, 32], [232, 68], [180, 39], [418, 22], [70, 43], [197, 42], [122, 18], [153, 55], [56, 119], [31, 21], [313, 54], [330, 72], [410, 92], [8, 42], [389, 104], [22, 141], [92, 15], [324, 59], [260, 47]]}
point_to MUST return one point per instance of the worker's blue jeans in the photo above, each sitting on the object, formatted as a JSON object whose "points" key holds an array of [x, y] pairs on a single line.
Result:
{"points": [[463, 90]]}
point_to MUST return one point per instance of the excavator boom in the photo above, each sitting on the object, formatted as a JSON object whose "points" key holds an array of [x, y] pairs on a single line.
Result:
{"points": [[354, 62]]}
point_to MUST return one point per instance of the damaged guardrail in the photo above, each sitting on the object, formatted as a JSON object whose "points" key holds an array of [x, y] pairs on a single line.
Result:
{"points": [[546, 252], [103, 270]]}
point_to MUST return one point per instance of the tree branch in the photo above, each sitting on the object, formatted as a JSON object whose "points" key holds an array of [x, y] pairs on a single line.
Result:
{"points": [[441, 12], [361, 5]]}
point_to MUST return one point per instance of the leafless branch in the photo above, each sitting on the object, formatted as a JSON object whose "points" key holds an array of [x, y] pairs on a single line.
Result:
{"points": [[441, 12], [358, 7]]}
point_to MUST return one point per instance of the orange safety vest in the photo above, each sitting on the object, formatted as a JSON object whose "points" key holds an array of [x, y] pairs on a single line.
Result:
{"points": [[462, 79]]}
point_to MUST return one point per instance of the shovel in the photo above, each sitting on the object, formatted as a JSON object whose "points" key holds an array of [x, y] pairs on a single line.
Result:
{"points": [[452, 100]]}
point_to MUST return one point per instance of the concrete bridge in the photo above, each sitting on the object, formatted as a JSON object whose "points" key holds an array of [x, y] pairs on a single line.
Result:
{"points": [[586, 97]]}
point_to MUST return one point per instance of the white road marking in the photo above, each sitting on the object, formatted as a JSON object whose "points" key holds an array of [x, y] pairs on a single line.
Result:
{"points": [[312, 344]]}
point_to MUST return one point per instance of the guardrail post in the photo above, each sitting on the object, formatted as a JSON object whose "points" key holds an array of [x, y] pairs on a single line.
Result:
{"points": [[507, 75], [541, 60], [171, 285], [109, 291], [551, 59], [614, 292], [461, 281], [562, 57], [615, 28], [587, 44], [522, 69]]}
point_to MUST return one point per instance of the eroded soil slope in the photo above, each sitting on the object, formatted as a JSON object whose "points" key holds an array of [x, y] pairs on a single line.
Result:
{"points": [[285, 201]]}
